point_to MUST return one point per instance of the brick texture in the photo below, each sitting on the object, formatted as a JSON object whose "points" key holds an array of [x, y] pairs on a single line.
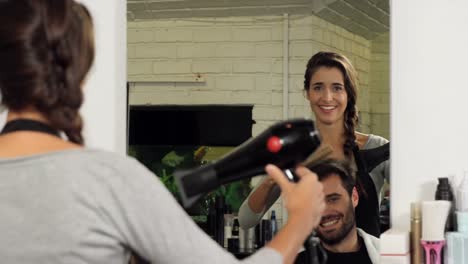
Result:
{"points": [[243, 46]]}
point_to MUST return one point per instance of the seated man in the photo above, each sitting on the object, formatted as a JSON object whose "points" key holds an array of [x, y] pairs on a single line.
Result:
{"points": [[343, 242]]}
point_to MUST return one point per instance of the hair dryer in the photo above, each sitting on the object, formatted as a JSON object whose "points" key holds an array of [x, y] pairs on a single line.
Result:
{"points": [[284, 144]]}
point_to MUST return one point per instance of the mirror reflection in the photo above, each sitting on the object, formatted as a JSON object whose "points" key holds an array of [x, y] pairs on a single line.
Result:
{"points": [[254, 54]]}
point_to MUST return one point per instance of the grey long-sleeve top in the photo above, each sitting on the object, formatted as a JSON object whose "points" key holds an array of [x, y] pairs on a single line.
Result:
{"points": [[248, 218], [89, 206]]}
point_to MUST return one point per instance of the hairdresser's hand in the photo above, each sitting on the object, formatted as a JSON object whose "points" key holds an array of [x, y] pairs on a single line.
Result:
{"points": [[303, 200]]}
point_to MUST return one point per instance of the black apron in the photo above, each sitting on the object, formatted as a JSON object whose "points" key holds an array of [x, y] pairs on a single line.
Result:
{"points": [[367, 210]]}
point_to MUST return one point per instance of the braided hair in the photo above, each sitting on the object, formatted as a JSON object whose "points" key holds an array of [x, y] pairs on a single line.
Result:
{"points": [[44, 58], [335, 60]]}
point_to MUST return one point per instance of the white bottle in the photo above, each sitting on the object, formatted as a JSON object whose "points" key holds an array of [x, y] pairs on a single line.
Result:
{"points": [[228, 221]]}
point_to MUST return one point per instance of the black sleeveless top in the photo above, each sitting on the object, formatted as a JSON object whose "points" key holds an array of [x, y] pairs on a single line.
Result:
{"points": [[367, 210]]}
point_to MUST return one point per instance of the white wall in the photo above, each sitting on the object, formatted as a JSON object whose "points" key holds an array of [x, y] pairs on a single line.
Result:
{"points": [[429, 110], [104, 110]]}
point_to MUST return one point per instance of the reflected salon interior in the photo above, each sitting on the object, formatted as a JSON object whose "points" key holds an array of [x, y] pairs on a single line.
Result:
{"points": [[216, 74]]}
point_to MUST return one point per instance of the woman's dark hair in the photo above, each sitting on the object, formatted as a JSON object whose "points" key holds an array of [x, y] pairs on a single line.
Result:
{"points": [[46, 50], [335, 60]]}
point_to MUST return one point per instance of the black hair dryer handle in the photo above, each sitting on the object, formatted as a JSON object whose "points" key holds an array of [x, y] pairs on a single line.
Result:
{"points": [[291, 175], [315, 253]]}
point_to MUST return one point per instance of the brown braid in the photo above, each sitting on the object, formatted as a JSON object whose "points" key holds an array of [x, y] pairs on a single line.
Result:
{"points": [[44, 58]]}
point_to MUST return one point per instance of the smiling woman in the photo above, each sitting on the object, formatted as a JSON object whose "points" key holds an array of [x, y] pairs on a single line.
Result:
{"points": [[328, 97], [330, 83]]}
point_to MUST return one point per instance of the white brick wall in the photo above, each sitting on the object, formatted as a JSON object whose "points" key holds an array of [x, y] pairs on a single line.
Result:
{"points": [[171, 67], [250, 34], [235, 83], [235, 49], [252, 66], [137, 36], [173, 35], [190, 50], [210, 66], [241, 60], [269, 50], [211, 34], [238, 47], [156, 51], [380, 83]]}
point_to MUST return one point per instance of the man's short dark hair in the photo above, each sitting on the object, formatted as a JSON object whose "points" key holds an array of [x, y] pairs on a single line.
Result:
{"points": [[334, 167]]}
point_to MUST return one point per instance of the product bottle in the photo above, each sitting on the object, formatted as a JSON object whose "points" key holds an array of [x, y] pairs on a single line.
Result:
{"points": [[444, 192], [211, 220], [235, 228], [274, 223], [266, 230], [233, 242], [462, 194], [416, 225], [259, 242], [220, 208], [228, 222]]}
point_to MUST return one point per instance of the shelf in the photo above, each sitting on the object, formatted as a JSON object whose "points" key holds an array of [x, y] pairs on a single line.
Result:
{"points": [[167, 79]]}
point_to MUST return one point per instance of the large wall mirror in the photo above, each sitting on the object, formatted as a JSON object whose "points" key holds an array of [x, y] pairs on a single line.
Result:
{"points": [[193, 57]]}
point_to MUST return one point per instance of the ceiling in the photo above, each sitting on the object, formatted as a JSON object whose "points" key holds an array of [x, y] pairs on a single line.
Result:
{"points": [[367, 18]]}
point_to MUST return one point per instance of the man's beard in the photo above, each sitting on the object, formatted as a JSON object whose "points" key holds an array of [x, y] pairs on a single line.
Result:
{"points": [[336, 237]]}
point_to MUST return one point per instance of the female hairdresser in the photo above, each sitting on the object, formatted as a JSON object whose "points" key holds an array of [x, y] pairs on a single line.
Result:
{"points": [[330, 83], [63, 203]]}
